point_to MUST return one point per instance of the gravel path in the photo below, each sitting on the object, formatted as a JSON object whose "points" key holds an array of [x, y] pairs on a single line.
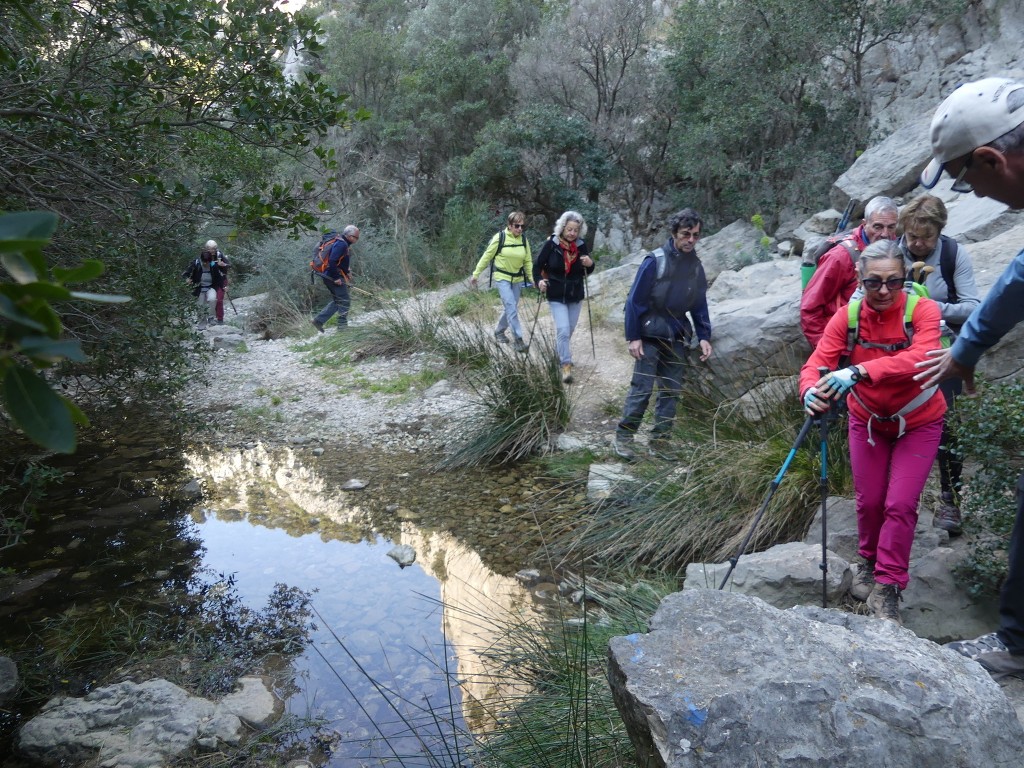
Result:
{"points": [[274, 392]]}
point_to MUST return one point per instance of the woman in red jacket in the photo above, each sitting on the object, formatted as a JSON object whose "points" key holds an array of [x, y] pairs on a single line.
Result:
{"points": [[895, 428]]}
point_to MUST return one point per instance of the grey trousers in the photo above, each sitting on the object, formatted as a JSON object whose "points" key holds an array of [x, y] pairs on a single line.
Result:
{"points": [[663, 364]]}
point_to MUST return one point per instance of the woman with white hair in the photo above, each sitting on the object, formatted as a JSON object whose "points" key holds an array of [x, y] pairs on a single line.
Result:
{"points": [[559, 272], [211, 249]]}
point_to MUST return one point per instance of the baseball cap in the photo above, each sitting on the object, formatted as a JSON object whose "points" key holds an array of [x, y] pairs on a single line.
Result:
{"points": [[971, 116]]}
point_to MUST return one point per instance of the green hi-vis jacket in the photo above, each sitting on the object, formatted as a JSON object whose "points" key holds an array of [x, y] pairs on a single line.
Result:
{"points": [[513, 262]]}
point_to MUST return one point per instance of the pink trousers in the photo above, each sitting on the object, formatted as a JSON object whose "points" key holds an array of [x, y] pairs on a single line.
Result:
{"points": [[889, 477]]}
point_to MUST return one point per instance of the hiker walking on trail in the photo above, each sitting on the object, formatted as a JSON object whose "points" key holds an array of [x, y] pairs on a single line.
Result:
{"points": [[218, 258], [669, 283], [835, 279], [509, 255], [944, 268], [206, 277], [332, 260], [895, 427], [559, 272], [977, 137]]}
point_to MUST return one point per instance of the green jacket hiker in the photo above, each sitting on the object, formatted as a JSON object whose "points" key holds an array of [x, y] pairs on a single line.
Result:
{"points": [[509, 253]]}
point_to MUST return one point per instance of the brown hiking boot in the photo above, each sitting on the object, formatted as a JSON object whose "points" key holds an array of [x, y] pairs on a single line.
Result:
{"points": [[947, 516], [567, 373], [884, 601], [864, 581]]}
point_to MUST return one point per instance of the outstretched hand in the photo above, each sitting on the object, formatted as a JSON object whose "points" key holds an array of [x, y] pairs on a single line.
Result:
{"points": [[940, 366]]}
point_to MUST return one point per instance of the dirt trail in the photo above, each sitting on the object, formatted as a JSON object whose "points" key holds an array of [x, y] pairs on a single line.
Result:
{"points": [[276, 392]]}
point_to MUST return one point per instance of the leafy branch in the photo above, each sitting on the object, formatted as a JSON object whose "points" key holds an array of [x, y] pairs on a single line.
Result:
{"points": [[31, 330]]}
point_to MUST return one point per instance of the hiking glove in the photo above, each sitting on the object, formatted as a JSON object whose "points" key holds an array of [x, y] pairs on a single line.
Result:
{"points": [[842, 381], [814, 404]]}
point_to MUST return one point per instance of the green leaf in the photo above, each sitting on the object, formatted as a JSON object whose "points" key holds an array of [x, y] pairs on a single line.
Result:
{"points": [[101, 298], [38, 410], [26, 229], [87, 270], [9, 311], [37, 290], [20, 268], [51, 350]]}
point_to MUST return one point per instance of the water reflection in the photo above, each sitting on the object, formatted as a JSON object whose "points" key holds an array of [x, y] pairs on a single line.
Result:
{"points": [[273, 516]]}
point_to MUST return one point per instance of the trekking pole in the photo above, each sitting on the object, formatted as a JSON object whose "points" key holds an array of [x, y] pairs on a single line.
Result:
{"points": [[590, 322], [824, 419], [228, 297], [536, 314], [771, 492]]}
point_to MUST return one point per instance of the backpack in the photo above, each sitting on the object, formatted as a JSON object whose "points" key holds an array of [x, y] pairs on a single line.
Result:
{"points": [[809, 262], [501, 244], [322, 252], [947, 266]]}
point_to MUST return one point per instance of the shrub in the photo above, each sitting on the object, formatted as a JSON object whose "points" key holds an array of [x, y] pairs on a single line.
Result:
{"points": [[991, 435], [702, 506]]}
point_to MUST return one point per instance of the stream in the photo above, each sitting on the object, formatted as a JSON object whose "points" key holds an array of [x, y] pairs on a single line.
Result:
{"points": [[389, 638]]}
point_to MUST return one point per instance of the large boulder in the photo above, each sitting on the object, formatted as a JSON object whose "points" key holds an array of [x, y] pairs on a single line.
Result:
{"points": [[722, 679]]}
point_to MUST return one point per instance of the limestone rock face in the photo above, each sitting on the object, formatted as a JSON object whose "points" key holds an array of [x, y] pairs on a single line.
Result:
{"points": [[723, 679]]}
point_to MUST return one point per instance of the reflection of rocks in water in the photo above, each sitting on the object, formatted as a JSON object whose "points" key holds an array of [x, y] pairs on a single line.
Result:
{"points": [[277, 489], [481, 608]]}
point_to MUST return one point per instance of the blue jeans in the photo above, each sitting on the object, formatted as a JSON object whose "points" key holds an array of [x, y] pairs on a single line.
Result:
{"points": [[509, 293], [663, 363], [565, 316], [340, 303]]}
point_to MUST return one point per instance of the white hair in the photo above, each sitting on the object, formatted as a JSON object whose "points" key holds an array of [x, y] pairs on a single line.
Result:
{"points": [[565, 218], [880, 204], [350, 230], [211, 245]]}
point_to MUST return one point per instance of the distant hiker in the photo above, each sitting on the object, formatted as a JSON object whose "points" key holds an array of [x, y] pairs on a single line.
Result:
{"points": [[509, 255], [894, 429], [221, 261], [977, 137], [950, 283], [559, 271], [835, 279], [669, 283], [206, 277], [332, 261]]}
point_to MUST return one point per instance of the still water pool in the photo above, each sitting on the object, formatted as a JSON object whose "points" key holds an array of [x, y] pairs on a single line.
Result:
{"points": [[398, 663]]}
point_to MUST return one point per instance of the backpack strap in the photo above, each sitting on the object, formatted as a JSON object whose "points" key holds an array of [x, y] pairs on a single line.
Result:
{"points": [[853, 329], [947, 266]]}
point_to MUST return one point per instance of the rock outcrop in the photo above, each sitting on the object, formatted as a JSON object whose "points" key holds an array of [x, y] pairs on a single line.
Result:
{"points": [[144, 724], [722, 679]]}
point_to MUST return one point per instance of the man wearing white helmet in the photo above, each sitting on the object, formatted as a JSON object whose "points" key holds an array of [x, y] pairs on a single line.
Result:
{"points": [[977, 137]]}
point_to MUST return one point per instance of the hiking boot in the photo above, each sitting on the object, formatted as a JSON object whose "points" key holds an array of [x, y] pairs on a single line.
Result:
{"points": [[864, 581], [318, 325], [992, 654], [520, 345], [567, 373], [947, 516], [623, 448], [500, 337], [884, 600], [660, 448]]}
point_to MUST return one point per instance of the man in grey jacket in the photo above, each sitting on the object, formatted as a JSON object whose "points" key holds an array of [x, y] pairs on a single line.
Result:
{"points": [[977, 137]]}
